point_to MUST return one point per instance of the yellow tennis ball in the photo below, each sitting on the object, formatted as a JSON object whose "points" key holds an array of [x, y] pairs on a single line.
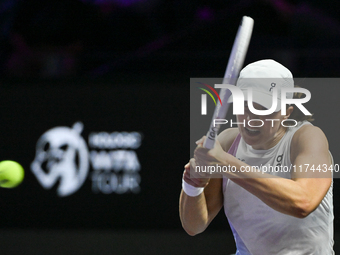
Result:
{"points": [[11, 174]]}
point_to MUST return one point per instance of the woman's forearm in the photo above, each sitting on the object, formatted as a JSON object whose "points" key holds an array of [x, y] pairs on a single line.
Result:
{"points": [[193, 213]]}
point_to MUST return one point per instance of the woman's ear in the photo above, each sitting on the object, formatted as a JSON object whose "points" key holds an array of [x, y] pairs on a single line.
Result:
{"points": [[289, 111]]}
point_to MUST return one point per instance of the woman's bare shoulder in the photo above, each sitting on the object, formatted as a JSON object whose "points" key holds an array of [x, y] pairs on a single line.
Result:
{"points": [[309, 139], [227, 137]]}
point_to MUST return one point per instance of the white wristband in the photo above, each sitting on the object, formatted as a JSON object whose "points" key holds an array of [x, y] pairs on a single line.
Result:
{"points": [[190, 190]]}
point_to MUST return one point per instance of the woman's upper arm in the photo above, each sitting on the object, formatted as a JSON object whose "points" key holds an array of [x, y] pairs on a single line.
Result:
{"points": [[311, 157]]}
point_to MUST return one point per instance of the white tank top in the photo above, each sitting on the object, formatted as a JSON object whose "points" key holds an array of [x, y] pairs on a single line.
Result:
{"points": [[260, 230]]}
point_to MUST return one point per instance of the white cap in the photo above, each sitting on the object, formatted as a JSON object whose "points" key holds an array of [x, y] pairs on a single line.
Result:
{"points": [[262, 76]]}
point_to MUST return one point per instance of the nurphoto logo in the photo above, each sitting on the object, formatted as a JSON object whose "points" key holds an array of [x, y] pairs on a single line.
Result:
{"points": [[238, 99], [239, 96], [204, 97]]}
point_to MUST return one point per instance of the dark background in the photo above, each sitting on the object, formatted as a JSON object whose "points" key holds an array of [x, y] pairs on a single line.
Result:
{"points": [[126, 66]]}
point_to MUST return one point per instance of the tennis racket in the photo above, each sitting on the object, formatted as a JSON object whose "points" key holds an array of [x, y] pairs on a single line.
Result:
{"points": [[235, 63]]}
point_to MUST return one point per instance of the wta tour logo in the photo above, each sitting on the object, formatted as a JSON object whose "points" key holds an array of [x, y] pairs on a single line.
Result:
{"points": [[62, 155], [64, 159]]}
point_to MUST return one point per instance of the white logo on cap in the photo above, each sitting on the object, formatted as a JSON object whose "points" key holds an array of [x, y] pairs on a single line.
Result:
{"points": [[273, 84]]}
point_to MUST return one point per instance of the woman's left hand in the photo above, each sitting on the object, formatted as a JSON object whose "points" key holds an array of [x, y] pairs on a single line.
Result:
{"points": [[206, 157]]}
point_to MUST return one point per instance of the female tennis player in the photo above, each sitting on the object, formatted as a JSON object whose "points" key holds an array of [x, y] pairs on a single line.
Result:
{"points": [[277, 191]]}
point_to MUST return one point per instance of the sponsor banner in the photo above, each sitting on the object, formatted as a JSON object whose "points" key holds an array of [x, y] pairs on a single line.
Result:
{"points": [[96, 155]]}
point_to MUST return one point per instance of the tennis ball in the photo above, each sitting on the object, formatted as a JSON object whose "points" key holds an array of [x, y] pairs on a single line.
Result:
{"points": [[11, 174]]}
